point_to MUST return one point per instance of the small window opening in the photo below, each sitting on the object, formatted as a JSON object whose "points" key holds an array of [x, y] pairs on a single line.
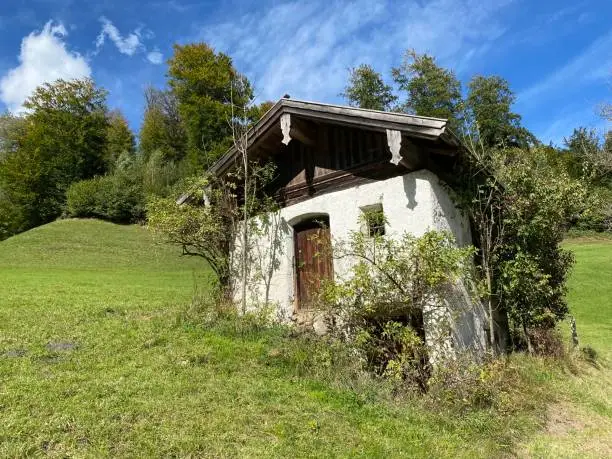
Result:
{"points": [[374, 220]]}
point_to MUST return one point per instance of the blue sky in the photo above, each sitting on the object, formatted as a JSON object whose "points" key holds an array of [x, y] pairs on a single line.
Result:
{"points": [[557, 55]]}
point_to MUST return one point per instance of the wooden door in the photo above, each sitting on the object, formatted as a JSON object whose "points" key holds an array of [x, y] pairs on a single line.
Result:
{"points": [[313, 260]]}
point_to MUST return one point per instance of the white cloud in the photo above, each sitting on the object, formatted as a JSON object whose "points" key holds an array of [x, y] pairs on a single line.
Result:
{"points": [[594, 64], [304, 48], [155, 57], [128, 45], [561, 126], [43, 58]]}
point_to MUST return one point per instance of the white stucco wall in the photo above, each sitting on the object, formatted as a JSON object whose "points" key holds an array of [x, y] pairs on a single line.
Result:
{"points": [[414, 203]]}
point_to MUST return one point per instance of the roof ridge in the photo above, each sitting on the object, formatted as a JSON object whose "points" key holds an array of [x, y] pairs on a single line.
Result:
{"points": [[284, 101]]}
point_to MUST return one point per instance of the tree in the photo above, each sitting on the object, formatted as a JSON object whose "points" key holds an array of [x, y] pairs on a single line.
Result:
{"points": [[606, 111], [582, 144], [520, 205], [119, 138], [217, 227], [540, 202], [366, 89], [589, 156], [257, 111], [11, 128], [206, 231], [430, 89], [64, 140], [209, 223], [488, 105], [201, 80], [162, 128]]}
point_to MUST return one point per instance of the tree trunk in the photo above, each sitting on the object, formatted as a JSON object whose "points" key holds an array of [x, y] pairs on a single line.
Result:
{"points": [[245, 233], [528, 339], [490, 307]]}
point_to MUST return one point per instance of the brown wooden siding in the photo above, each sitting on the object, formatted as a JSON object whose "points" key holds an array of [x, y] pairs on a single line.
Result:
{"points": [[341, 155]]}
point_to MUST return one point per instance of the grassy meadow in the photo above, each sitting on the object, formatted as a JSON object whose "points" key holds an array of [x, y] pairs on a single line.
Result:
{"points": [[95, 361], [579, 422]]}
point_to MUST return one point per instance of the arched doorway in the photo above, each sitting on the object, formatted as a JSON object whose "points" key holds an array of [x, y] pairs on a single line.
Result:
{"points": [[313, 260]]}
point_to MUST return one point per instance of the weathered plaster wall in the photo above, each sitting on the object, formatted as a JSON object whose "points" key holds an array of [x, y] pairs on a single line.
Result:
{"points": [[414, 203]]}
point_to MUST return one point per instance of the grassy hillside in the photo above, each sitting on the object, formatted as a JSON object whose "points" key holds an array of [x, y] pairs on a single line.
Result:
{"points": [[590, 291], [579, 424], [93, 362], [58, 280]]}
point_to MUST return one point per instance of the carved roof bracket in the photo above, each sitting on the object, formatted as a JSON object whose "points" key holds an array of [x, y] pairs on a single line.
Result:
{"points": [[294, 128], [394, 140], [285, 122]]}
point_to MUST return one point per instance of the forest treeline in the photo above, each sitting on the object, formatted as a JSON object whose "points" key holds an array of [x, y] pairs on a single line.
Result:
{"points": [[68, 154]]}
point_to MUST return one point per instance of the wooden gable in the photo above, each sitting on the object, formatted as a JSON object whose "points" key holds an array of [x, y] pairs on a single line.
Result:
{"points": [[318, 148]]}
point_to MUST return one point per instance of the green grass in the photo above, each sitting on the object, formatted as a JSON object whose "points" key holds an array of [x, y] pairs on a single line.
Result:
{"points": [[94, 362], [579, 424], [590, 291]]}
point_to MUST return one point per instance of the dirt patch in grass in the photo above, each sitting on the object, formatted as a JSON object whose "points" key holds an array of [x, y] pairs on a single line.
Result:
{"points": [[14, 353], [571, 432], [563, 419], [60, 346]]}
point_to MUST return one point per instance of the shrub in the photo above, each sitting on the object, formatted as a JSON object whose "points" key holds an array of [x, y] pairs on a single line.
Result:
{"points": [[117, 198], [548, 342], [521, 209], [600, 219], [82, 198], [463, 384], [590, 354], [11, 217], [159, 175], [379, 309]]}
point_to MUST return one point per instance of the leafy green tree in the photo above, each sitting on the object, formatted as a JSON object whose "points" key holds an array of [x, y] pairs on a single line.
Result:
{"points": [[203, 231], [206, 84], [152, 133], [159, 175], [430, 89], [64, 140], [10, 216], [162, 128], [11, 128], [579, 146], [582, 142], [521, 203], [488, 104], [608, 142], [366, 89], [540, 202], [589, 156], [257, 111], [119, 138]]}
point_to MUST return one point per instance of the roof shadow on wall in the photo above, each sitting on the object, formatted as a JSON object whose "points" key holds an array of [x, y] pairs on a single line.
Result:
{"points": [[410, 190]]}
